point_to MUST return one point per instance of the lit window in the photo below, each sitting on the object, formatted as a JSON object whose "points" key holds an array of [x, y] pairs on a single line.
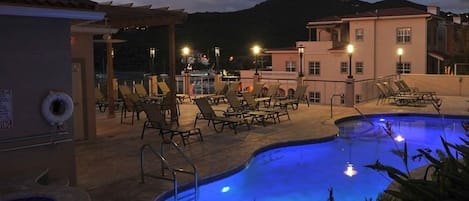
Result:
{"points": [[290, 66], [314, 68], [343, 67], [359, 67], [315, 97], [404, 69], [403, 35], [359, 34]]}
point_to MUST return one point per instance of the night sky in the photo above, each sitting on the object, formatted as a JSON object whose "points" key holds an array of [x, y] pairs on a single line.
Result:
{"points": [[191, 6]]}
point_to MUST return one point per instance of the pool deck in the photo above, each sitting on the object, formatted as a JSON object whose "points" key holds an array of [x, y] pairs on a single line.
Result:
{"points": [[108, 166]]}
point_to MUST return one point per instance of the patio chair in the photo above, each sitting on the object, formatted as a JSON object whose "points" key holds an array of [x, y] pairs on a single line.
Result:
{"points": [[207, 113], [141, 91], [271, 94], [233, 87], [400, 99], [220, 91], [133, 104], [101, 101], [404, 88], [273, 111], [156, 120], [257, 90], [237, 108], [124, 90], [295, 100], [165, 91]]}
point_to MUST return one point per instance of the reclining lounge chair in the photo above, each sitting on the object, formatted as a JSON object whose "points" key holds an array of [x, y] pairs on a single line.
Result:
{"points": [[207, 113]]}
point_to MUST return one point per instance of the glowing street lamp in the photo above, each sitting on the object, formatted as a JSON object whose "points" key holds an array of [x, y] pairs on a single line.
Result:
{"points": [[400, 52], [256, 50], [301, 51], [350, 52], [185, 52], [217, 59]]}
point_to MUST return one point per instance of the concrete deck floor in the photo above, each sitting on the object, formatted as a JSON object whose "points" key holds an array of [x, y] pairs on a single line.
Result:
{"points": [[108, 167]]}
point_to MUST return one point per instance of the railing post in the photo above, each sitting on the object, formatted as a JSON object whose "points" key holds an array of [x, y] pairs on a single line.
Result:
{"points": [[350, 92]]}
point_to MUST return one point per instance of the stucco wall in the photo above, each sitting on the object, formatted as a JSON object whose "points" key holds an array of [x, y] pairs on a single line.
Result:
{"points": [[82, 50], [415, 52], [34, 59]]}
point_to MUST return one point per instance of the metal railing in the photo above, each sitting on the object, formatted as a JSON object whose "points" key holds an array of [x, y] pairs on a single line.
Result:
{"points": [[363, 115], [166, 166], [332, 97], [33, 141]]}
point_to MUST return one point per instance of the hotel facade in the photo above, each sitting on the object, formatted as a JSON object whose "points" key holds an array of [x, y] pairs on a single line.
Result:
{"points": [[420, 36]]}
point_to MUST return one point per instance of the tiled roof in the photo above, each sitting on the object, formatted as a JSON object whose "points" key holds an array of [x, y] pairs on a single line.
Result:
{"points": [[72, 4]]}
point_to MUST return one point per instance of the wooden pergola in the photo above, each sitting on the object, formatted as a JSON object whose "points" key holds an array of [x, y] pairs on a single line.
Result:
{"points": [[128, 16]]}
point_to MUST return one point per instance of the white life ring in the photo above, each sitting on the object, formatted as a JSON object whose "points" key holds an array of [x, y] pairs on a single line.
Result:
{"points": [[57, 107]]}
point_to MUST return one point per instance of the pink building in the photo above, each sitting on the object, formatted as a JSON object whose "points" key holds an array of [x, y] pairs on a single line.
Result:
{"points": [[376, 37]]}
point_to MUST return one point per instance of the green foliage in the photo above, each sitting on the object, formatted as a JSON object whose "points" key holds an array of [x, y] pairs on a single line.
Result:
{"points": [[449, 179]]}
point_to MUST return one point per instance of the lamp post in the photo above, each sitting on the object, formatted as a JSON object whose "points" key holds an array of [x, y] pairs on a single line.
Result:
{"points": [[217, 59], [400, 52], [350, 82], [186, 82], [185, 53], [350, 52], [301, 51], [256, 50], [152, 58]]}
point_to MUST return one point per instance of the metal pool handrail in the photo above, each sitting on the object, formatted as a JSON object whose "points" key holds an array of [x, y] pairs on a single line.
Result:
{"points": [[362, 115], [165, 165]]}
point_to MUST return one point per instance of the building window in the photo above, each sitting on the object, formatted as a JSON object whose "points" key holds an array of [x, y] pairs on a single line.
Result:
{"points": [[290, 66], [404, 69], [315, 97], [358, 98], [314, 67], [359, 67], [343, 67], [359, 34], [403, 35]]}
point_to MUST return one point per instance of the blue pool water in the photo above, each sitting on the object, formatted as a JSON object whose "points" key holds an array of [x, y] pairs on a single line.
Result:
{"points": [[306, 172]]}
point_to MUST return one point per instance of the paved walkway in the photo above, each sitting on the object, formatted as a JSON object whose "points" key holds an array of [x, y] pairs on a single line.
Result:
{"points": [[108, 167]]}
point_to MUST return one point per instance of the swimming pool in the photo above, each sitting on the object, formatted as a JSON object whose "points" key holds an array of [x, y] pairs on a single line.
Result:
{"points": [[305, 172]]}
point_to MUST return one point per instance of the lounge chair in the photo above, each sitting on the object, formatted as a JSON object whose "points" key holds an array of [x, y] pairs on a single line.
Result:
{"points": [[273, 111], [271, 94], [233, 87], [133, 104], [165, 91], [295, 100], [220, 91], [257, 90], [207, 113], [388, 93], [124, 90], [156, 120], [101, 101], [242, 111], [141, 91], [404, 88]]}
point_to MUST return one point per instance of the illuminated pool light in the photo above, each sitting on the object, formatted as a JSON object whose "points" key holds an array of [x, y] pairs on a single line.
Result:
{"points": [[399, 138], [225, 189], [382, 120], [350, 171]]}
